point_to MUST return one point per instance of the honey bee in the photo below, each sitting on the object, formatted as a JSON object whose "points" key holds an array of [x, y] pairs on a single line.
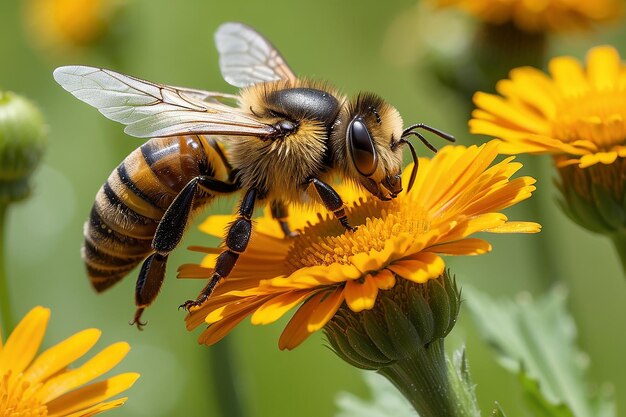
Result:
{"points": [[286, 138]]}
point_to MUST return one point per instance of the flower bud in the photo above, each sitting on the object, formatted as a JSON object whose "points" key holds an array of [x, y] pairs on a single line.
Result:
{"points": [[22, 142]]}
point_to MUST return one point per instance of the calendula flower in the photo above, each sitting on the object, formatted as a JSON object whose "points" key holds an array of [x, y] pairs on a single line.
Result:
{"points": [[578, 115], [44, 385], [456, 194], [541, 15], [64, 25]]}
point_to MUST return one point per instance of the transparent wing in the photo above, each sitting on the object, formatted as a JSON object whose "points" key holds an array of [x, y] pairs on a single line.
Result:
{"points": [[152, 110], [248, 58]]}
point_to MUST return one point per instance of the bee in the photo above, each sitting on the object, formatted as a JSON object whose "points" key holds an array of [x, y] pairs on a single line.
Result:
{"points": [[286, 139]]}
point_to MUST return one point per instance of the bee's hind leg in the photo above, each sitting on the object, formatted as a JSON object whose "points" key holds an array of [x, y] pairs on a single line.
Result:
{"points": [[148, 285], [168, 234], [236, 242], [280, 212]]}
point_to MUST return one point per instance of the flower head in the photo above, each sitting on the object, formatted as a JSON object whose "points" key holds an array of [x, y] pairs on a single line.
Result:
{"points": [[578, 114], [455, 195], [44, 385], [69, 24], [541, 15]]}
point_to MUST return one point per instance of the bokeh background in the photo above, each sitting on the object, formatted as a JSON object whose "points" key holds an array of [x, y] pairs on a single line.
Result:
{"points": [[386, 47]]}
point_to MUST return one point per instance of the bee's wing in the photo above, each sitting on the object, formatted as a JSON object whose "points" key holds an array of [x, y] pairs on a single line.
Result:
{"points": [[248, 58], [151, 110]]}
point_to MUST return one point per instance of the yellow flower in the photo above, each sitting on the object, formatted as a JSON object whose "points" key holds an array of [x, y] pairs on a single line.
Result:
{"points": [[456, 194], [541, 15], [578, 114], [44, 385], [69, 24]]}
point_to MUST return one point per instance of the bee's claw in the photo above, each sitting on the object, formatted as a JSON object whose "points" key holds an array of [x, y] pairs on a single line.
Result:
{"points": [[136, 321], [187, 305]]}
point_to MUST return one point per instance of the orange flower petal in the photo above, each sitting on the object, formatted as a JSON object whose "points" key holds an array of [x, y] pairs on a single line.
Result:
{"points": [[62, 354], [93, 368], [23, 343], [90, 395], [361, 294], [468, 246], [276, 307], [313, 315]]}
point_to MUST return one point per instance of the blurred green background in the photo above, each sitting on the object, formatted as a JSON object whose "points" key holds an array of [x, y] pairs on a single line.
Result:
{"points": [[365, 45]]}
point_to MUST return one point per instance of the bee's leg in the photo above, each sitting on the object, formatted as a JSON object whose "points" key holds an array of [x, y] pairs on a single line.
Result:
{"points": [[236, 242], [332, 201], [148, 285], [280, 213], [167, 236]]}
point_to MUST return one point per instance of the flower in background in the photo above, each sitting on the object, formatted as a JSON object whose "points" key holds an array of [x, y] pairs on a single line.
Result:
{"points": [[65, 25], [578, 115], [540, 15], [44, 385], [513, 33], [456, 194]]}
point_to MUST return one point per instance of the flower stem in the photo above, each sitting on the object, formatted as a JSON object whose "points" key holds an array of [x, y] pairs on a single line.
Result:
{"points": [[619, 240], [5, 304], [423, 379], [224, 381]]}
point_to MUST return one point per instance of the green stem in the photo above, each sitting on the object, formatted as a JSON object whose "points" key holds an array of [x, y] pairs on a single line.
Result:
{"points": [[5, 299], [225, 382], [423, 379], [619, 240]]}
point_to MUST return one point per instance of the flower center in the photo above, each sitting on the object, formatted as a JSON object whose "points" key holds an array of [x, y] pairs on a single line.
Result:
{"points": [[597, 116], [327, 242], [18, 399]]}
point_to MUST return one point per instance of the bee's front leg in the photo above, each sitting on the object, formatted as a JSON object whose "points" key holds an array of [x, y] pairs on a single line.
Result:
{"points": [[236, 242], [280, 212], [332, 201]]}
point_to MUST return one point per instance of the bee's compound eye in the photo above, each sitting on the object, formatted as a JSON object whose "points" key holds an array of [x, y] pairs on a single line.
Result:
{"points": [[361, 147]]}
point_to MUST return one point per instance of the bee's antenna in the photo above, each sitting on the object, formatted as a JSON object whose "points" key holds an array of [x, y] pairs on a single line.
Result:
{"points": [[431, 129], [416, 163], [411, 130]]}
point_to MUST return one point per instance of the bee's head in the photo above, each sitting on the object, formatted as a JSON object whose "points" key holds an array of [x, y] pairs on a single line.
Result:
{"points": [[371, 129], [374, 140]]}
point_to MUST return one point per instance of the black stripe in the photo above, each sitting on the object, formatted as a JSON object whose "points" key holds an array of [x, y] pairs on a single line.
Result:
{"points": [[149, 153], [130, 184], [95, 256], [103, 235], [114, 200]]}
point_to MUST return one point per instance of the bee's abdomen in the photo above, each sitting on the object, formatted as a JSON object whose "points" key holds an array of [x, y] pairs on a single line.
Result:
{"points": [[131, 203]]}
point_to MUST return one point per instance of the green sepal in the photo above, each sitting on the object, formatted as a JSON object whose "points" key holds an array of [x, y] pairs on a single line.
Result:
{"points": [[363, 346], [342, 348], [608, 208], [379, 334], [421, 315], [403, 334], [440, 305]]}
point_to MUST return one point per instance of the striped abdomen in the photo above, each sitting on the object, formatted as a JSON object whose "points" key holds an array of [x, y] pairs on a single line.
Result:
{"points": [[129, 206]]}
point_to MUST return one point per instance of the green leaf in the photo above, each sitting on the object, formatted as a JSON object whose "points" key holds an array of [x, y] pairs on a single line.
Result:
{"points": [[497, 412], [536, 339], [386, 400], [460, 379]]}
